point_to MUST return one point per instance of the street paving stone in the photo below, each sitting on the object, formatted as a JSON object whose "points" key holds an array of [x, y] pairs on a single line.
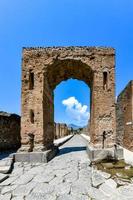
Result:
{"points": [[97, 178], [69, 176]]}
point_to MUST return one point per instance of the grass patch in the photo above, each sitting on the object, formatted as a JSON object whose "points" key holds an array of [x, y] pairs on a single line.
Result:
{"points": [[116, 168]]}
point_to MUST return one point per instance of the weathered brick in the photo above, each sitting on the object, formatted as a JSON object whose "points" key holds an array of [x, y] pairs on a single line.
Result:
{"points": [[43, 69]]}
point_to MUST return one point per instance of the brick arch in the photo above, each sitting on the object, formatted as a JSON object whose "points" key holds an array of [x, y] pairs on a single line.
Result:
{"points": [[65, 69], [50, 66]]}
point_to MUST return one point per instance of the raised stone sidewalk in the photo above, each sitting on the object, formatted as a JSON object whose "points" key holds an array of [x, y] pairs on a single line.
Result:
{"points": [[68, 176]]}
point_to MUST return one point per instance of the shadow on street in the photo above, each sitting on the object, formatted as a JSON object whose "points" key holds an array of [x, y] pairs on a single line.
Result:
{"points": [[66, 150]]}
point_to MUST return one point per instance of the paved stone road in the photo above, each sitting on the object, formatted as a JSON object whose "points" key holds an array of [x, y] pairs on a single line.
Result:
{"points": [[67, 177]]}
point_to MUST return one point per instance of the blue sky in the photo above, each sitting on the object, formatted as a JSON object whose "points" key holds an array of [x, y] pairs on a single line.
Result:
{"points": [[62, 23], [72, 100]]}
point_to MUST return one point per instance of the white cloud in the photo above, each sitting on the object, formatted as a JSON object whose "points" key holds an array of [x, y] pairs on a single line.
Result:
{"points": [[77, 112]]}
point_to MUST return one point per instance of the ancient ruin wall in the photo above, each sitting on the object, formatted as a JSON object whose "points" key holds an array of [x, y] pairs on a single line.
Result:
{"points": [[44, 68], [9, 131], [124, 116], [61, 130]]}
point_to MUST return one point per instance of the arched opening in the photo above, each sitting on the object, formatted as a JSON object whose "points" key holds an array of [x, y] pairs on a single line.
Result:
{"points": [[63, 70], [71, 108]]}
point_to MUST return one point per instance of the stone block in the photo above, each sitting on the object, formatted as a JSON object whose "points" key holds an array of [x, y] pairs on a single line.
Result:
{"points": [[119, 154], [37, 157], [97, 179], [33, 157], [22, 157], [52, 153], [96, 155]]}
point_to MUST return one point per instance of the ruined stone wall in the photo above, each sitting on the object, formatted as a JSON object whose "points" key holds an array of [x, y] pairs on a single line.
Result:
{"points": [[85, 130], [124, 116], [61, 130], [9, 131]]}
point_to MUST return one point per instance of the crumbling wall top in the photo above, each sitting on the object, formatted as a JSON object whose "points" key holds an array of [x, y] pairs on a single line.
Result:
{"points": [[94, 49], [130, 83], [5, 114]]}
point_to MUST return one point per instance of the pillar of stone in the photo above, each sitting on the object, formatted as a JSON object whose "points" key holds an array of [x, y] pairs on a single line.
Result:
{"points": [[32, 105], [103, 119]]}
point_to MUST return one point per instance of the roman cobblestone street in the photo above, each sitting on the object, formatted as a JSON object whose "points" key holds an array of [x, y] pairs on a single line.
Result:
{"points": [[68, 176]]}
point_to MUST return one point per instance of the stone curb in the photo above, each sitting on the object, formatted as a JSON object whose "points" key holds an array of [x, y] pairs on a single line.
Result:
{"points": [[61, 143]]}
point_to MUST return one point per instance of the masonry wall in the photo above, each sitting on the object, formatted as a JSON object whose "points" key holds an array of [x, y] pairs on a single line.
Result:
{"points": [[85, 130], [9, 131], [61, 130], [43, 69], [124, 116]]}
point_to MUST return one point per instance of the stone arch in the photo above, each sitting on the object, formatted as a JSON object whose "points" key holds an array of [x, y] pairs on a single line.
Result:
{"points": [[61, 70], [55, 73], [53, 65]]}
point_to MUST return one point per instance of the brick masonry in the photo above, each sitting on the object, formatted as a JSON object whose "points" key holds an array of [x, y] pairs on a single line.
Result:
{"points": [[124, 113], [43, 69], [9, 131]]}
